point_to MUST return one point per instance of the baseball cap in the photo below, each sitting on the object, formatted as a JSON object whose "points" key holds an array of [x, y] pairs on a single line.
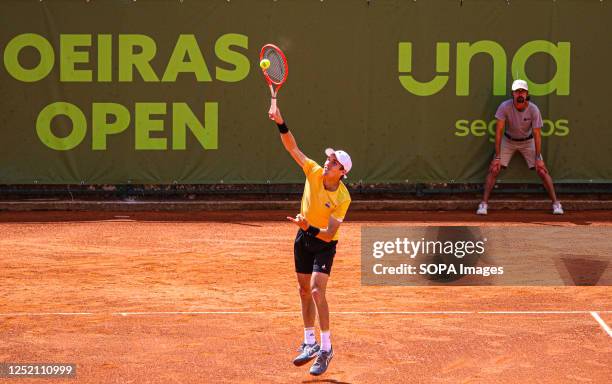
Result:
{"points": [[519, 84], [343, 158]]}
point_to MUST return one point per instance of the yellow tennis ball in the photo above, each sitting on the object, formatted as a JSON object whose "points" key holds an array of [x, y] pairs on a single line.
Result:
{"points": [[264, 64]]}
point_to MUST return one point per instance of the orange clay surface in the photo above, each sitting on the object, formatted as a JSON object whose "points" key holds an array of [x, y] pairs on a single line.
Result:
{"points": [[207, 297]]}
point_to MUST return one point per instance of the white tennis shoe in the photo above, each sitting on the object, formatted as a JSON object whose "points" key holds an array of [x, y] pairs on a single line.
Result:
{"points": [[482, 209], [557, 208]]}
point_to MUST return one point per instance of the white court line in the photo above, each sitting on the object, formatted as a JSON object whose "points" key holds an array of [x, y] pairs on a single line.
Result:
{"points": [[359, 313], [154, 313], [293, 313], [532, 312], [602, 323], [200, 313], [47, 314]]}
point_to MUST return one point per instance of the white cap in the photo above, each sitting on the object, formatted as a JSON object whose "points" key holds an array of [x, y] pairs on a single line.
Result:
{"points": [[342, 157], [519, 84]]}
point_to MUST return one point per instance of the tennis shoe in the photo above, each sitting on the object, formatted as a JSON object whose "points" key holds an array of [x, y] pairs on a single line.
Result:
{"points": [[322, 362], [482, 209], [308, 352]]}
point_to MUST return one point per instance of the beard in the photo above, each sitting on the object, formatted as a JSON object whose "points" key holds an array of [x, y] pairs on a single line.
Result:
{"points": [[520, 100]]}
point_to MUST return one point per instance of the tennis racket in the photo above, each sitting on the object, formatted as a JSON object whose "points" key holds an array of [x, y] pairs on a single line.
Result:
{"points": [[276, 73]]}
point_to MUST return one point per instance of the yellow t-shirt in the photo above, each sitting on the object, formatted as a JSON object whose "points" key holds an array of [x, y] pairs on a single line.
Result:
{"points": [[318, 204]]}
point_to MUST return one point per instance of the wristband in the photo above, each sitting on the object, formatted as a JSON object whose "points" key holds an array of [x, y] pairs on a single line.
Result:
{"points": [[313, 231], [282, 128]]}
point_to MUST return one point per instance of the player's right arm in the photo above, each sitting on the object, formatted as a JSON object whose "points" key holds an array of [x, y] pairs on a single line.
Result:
{"points": [[288, 140]]}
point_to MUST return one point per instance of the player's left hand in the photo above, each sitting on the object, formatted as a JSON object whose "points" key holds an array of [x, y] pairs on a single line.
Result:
{"points": [[300, 221]]}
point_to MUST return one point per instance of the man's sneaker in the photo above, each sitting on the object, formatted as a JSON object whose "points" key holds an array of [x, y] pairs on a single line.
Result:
{"points": [[557, 208], [308, 352], [322, 362], [482, 209]]}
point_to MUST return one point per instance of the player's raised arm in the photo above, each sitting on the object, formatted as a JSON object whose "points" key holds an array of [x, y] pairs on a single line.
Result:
{"points": [[288, 139]]}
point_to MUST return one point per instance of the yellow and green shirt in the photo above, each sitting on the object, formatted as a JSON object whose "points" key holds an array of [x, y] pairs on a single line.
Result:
{"points": [[318, 204]]}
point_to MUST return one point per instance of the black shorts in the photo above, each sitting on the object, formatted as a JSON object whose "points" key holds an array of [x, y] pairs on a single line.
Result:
{"points": [[313, 255]]}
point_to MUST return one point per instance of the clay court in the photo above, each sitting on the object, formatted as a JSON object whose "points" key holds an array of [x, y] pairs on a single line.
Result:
{"points": [[211, 297]]}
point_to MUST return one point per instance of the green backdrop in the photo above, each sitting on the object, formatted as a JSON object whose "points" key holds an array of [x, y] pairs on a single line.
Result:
{"points": [[408, 88]]}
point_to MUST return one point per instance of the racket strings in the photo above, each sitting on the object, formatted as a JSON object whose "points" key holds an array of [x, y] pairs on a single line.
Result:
{"points": [[277, 69]]}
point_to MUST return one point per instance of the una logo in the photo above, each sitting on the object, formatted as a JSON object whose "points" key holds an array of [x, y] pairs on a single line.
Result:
{"points": [[560, 53]]}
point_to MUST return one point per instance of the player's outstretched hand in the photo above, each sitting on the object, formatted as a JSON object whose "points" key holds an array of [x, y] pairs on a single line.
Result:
{"points": [[276, 116], [300, 221]]}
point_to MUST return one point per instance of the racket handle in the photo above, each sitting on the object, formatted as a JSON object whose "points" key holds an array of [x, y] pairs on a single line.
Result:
{"points": [[273, 108]]}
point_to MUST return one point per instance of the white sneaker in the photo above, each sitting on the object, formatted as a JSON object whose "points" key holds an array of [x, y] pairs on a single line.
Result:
{"points": [[482, 209], [557, 208]]}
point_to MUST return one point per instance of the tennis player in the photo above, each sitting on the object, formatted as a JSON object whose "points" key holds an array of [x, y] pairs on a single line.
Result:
{"points": [[324, 205]]}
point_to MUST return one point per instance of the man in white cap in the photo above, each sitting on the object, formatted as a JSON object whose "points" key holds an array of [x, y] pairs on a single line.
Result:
{"points": [[324, 204], [523, 134]]}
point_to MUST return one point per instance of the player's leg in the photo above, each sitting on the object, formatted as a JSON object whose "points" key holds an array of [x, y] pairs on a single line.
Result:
{"points": [[490, 182], [319, 287], [308, 305], [324, 259], [528, 152], [321, 269], [304, 261], [309, 348], [548, 182], [506, 152]]}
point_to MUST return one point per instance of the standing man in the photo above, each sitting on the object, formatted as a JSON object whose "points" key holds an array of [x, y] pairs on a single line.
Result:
{"points": [[324, 205], [524, 134]]}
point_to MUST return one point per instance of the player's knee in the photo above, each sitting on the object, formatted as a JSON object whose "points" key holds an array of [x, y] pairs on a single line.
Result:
{"points": [[304, 292], [541, 172], [317, 293]]}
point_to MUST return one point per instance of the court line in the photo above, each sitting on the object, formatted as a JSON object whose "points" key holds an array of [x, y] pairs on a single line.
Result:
{"points": [[534, 312], [155, 313], [359, 313], [602, 323], [292, 313], [47, 314]]}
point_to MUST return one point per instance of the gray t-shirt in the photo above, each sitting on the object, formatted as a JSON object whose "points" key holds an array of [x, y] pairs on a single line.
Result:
{"points": [[519, 124]]}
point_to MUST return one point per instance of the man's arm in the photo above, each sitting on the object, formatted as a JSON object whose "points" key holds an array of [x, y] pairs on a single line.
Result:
{"points": [[327, 234], [539, 162], [288, 140], [499, 131], [537, 138]]}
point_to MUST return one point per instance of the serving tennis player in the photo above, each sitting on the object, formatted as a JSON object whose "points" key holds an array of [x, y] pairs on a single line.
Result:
{"points": [[324, 204]]}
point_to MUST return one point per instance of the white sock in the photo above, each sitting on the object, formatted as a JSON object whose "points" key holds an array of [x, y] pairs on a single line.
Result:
{"points": [[309, 335], [325, 341]]}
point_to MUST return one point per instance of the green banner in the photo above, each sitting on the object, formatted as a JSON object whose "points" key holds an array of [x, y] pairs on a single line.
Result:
{"points": [[170, 91]]}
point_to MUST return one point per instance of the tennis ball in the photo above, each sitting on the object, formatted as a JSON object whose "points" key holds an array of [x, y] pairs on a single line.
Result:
{"points": [[264, 64]]}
